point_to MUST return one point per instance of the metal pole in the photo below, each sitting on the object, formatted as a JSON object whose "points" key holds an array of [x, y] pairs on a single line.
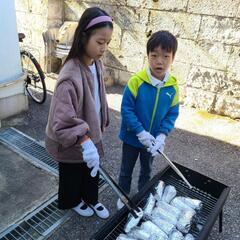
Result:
{"points": [[122, 195], [175, 169]]}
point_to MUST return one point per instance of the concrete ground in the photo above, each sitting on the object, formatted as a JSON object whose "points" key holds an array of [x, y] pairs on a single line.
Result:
{"points": [[23, 187], [203, 142]]}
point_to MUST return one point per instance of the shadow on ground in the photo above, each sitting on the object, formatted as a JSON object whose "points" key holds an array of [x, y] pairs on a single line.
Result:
{"points": [[213, 158]]}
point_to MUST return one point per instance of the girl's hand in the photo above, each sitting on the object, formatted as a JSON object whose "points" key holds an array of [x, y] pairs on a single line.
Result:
{"points": [[90, 156]]}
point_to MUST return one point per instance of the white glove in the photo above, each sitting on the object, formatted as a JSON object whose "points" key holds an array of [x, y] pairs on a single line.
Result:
{"points": [[159, 145], [90, 156], [145, 138]]}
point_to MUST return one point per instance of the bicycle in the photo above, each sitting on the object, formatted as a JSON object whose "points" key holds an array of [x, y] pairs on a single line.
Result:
{"points": [[35, 81]]}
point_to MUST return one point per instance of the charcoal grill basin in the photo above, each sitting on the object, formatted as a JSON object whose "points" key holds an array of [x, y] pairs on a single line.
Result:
{"points": [[211, 192]]}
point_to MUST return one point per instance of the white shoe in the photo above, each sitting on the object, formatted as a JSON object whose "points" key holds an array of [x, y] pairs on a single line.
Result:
{"points": [[100, 210], [83, 209], [120, 204]]}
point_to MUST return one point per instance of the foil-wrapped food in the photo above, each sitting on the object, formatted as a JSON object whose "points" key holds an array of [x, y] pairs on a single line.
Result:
{"points": [[165, 215], [185, 221], [189, 237], [139, 234], [171, 209], [147, 210], [169, 193], [159, 190], [154, 230], [179, 203], [124, 237], [176, 235], [164, 225], [132, 221]]}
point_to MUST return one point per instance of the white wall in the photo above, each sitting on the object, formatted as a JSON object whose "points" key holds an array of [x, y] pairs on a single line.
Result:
{"points": [[10, 64]]}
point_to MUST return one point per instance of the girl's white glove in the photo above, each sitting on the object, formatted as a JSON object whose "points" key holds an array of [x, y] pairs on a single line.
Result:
{"points": [[145, 138], [159, 145], [90, 156]]}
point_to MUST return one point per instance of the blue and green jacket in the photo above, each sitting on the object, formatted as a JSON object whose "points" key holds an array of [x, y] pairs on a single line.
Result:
{"points": [[146, 107]]}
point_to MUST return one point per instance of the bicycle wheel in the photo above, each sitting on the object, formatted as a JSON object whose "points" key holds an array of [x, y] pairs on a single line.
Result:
{"points": [[35, 83]]}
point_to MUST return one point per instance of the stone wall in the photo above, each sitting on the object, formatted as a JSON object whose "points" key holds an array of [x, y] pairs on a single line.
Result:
{"points": [[208, 33], [207, 62]]}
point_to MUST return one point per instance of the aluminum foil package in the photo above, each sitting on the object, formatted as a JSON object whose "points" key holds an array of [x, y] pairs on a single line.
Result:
{"points": [[159, 190], [155, 237], [165, 215], [193, 203], [169, 208], [165, 226], [169, 193], [124, 237], [132, 221], [185, 221], [139, 234], [189, 237], [149, 205], [179, 203], [176, 235], [154, 230]]}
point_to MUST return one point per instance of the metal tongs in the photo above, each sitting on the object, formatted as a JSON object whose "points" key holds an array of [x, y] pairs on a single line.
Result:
{"points": [[175, 169], [132, 207]]}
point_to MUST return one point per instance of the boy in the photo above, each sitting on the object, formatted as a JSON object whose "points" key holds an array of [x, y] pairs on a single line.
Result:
{"points": [[149, 109]]}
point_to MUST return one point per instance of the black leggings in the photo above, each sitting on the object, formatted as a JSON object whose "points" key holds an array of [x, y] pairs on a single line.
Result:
{"points": [[76, 184]]}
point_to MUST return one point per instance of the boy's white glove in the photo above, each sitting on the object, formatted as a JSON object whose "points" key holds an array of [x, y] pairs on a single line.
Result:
{"points": [[90, 156], [159, 145], [145, 138]]}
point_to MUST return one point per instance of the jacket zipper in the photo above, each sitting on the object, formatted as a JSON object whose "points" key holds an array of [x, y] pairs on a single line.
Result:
{"points": [[154, 109]]}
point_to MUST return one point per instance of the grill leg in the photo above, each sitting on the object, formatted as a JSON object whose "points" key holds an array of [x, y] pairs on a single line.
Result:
{"points": [[220, 221]]}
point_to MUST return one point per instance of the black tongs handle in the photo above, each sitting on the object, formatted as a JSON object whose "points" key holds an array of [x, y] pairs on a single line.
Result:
{"points": [[121, 194]]}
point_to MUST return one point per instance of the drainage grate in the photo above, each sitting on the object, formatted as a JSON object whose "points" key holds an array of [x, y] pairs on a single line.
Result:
{"points": [[28, 148], [37, 224], [31, 150]]}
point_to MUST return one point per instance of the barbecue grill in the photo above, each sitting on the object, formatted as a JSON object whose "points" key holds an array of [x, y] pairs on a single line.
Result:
{"points": [[213, 194]]}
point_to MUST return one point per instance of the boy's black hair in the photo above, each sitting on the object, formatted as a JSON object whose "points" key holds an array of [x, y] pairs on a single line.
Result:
{"points": [[81, 36], [163, 39]]}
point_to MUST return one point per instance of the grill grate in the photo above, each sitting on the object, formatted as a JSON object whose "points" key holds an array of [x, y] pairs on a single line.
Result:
{"points": [[182, 190], [32, 150], [38, 224], [212, 193]]}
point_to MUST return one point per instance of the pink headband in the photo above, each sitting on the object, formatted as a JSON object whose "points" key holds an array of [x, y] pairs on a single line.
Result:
{"points": [[98, 20]]}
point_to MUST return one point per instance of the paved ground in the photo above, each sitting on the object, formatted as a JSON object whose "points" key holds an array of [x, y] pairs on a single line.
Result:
{"points": [[23, 186], [195, 143]]}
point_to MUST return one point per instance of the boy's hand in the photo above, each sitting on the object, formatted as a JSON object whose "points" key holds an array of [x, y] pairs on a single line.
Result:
{"points": [[159, 145], [145, 138], [90, 156]]}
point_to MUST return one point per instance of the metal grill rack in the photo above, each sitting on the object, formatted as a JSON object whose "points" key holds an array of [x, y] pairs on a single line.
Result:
{"points": [[212, 193]]}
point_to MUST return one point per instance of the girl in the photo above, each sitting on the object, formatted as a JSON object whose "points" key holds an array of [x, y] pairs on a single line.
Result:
{"points": [[78, 115]]}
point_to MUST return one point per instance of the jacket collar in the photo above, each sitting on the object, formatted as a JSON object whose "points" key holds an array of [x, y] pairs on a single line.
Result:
{"points": [[143, 75]]}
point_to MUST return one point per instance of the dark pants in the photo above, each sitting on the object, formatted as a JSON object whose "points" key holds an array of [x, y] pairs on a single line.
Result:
{"points": [[129, 157], [76, 184]]}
